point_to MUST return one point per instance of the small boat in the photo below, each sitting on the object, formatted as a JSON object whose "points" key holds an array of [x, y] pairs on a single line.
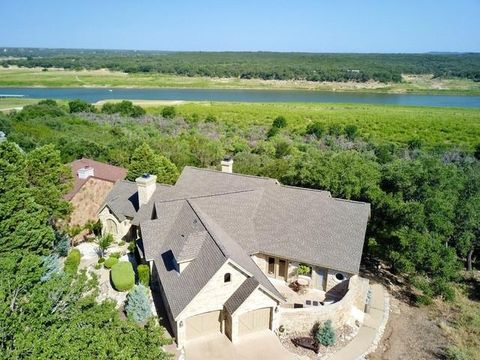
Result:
{"points": [[110, 90]]}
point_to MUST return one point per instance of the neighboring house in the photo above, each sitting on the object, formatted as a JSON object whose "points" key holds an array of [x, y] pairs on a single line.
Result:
{"points": [[93, 181], [214, 239]]}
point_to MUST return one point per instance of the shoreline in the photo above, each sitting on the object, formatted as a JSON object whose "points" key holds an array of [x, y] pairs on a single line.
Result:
{"points": [[15, 77], [282, 89]]}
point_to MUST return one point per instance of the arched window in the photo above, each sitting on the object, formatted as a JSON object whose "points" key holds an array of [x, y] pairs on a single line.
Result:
{"points": [[227, 277]]}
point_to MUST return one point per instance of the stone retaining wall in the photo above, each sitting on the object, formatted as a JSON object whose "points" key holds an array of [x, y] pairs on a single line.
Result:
{"points": [[344, 312]]}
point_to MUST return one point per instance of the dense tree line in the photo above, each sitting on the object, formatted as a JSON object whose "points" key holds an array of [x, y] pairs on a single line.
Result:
{"points": [[425, 202], [47, 312], [258, 65]]}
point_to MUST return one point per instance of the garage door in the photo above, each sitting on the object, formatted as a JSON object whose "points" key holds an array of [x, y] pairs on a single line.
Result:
{"points": [[203, 324], [253, 321]]}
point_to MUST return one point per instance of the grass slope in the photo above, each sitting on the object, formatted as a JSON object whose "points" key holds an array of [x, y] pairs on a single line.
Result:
{"points": [[25, 77], [434, 126]]}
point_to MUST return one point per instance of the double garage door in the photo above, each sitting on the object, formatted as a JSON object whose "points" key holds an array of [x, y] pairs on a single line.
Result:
{"points": [[253, 321], [211, 323], [203, 325]]}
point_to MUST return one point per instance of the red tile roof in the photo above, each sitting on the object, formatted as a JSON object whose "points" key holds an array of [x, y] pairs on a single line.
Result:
{"points": [[101, 170]]}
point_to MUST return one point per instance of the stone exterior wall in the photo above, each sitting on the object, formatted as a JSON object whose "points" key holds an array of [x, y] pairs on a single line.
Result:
{"points": [[292, 270], [257, 300], [334, 284], [345, 311], [123, 227]]}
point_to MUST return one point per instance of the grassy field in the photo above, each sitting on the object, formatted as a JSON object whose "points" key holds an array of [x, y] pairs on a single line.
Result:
{"points": [[25, 77], [450, 127], [434, 126]]}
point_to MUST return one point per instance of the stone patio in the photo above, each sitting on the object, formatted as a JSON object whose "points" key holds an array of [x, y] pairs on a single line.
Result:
{"points": [[293, 297]]}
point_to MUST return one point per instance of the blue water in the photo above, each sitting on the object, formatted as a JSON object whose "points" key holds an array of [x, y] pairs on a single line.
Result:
{"points": [[96, 94]]}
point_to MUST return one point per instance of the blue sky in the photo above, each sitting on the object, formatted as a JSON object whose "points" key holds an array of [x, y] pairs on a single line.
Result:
{"points": [[311, 26]]}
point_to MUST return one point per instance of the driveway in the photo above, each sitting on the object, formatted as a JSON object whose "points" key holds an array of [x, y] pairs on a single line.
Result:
{"points": [[260, 346]]}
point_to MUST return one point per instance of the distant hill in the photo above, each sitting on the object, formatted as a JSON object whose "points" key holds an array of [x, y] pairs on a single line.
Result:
{"points": [[258, 65]]}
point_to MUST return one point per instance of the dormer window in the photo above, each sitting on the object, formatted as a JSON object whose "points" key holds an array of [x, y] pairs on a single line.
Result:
{"points": [[227, 278]]}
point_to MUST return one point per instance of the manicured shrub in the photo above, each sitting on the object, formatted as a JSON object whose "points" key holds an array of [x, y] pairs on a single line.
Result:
{"points": [[110, 262], [137, 306], [144, 274], [131, 246], [122, 276], [101, 260], [72, 262], [116, 255], [98, 266], [325, 335]]}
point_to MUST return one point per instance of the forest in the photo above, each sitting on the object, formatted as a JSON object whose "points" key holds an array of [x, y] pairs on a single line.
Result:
{"points": [[425, 200], [254, 65]]}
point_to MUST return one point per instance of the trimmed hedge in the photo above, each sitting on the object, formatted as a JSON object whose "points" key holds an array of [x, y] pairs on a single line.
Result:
{"points": [[110, 262], [122, 276], [144, 274], [72, 262]]}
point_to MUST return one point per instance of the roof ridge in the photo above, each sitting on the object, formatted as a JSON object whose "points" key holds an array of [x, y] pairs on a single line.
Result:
{"points": [[206, 195], [305, 189], [222, 250], [351, 201], [235, 174]]}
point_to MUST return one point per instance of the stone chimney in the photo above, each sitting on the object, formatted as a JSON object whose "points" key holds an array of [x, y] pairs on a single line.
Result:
{"points": [[227, 164], [85, 172], [146, 185]]}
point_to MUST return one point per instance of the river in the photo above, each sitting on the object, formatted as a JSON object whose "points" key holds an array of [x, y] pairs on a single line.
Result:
{"points": [[96, 94]]}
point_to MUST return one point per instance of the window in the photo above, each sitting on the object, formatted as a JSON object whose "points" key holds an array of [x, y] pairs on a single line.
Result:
{"points": [[340, 276], [227, 277], [271, 265]]}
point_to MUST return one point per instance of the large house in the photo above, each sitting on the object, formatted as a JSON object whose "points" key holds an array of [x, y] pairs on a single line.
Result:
{"points": [[216, 240]]}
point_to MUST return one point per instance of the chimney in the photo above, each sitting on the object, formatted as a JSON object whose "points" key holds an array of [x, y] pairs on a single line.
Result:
{"points": [[146, 185], [227, 164], [85, 172]]}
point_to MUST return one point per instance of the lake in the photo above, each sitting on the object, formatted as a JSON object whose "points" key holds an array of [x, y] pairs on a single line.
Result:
{"points": [[96, 94]]}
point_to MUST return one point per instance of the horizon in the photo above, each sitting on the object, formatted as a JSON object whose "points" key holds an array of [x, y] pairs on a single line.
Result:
{"points": [[432, 52], [371, 27]]}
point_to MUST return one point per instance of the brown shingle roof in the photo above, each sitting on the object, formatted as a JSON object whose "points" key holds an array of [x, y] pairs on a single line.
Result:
{"points": [[101, 171]]}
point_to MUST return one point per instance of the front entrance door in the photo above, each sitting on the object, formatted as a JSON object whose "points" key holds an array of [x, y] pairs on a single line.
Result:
{"points": [[277, 268], [319, 278], [282, 269]]}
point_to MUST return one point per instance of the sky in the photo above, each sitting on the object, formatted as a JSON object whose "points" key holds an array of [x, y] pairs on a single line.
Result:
{"points": [[244, 25]]}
